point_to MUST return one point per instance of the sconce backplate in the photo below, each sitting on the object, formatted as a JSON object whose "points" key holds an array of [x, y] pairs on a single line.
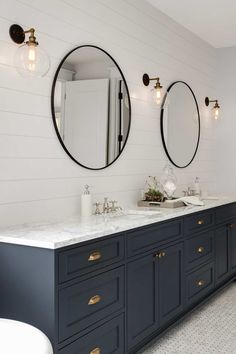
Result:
{"points": [[207, 101], [17, 34], [146, 79]]}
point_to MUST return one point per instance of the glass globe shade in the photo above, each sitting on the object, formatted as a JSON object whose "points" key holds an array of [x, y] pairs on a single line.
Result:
{"points": [[31, 61]]}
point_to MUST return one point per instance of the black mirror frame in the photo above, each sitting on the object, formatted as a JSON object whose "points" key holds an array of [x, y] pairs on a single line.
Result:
{"points": [[162, 125], [53, 112]]}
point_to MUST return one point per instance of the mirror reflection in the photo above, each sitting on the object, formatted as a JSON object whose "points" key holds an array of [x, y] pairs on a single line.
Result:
{"points": [[180, 124], [91, 107]]}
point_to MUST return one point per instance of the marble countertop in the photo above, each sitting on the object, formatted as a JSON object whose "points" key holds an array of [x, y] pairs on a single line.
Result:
{"points": [[76, 230]]}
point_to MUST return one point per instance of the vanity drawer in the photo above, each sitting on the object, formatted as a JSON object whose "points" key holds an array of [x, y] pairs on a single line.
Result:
{"points": [[199, 249], [84, 259], [198, 222], [106, 339], [225, 213], [200, 283], [140, 241], [89, 301]]}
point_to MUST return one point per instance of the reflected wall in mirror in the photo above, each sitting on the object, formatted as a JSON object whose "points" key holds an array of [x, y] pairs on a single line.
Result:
{"points": [[180, 124], [91, 107]]}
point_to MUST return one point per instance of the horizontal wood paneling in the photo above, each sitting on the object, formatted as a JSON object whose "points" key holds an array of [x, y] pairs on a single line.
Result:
{"points": [[37, 179]]}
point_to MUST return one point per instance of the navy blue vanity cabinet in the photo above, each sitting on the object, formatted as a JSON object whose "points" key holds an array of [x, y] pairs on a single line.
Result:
{"points": [[147, 238], [154, 291], [80, 260], [199, 283], [232, 246], [225, 239], [142, 298], [115, 294], [105, 339], [199, 249], [222, 255], [86, 302], [170, 282]]}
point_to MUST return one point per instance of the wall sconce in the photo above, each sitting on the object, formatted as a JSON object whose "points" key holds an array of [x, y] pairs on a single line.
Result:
{"points": [[215, 109], [156, 89], [30, 59]]}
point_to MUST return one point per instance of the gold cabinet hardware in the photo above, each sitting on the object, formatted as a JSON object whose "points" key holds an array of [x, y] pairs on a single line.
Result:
{"points": [[157, 255], [160, 254], [200, 222], [94, 300], [96, 351], [94, 256], [200, 249], [232, 226], [201, 283]]}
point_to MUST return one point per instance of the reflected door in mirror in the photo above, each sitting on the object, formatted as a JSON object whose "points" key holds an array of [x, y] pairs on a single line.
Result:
{"points": [[91, 107]]}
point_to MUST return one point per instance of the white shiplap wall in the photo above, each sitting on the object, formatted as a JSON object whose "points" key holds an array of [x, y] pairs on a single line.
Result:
{"points": [[37, 180]]}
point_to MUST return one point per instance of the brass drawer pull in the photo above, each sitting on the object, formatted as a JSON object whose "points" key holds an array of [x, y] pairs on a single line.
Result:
{"points": [[96, 351], [160, 254], [200, 222], [94, 300], [94, 256], [201, 283], [232, 226], [200, 249]]}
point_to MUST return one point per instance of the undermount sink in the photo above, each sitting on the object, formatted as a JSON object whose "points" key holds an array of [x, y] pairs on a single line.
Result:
{"points": [[143, 212]]}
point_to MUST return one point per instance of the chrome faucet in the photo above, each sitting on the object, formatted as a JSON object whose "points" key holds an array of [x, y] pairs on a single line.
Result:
{"points": [[189, 192], [107, 207]]}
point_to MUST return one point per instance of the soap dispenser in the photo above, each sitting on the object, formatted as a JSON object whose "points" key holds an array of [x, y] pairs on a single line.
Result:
{"points": [[86, 202]]}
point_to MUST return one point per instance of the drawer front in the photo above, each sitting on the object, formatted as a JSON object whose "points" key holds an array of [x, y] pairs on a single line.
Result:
{"points": [[199, 249], [198, 222], [144, 240], [85, 259], [89, 301], [200, 283], [225, 213], [106, 339]]}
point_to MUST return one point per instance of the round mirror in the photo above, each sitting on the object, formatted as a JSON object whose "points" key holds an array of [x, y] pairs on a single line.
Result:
{"points": [[91, 107], [180, 124]]}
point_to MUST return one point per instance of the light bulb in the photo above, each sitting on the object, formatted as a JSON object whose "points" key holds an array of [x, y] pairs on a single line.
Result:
{"points": [[158, 95], [31, 58], [216, 113], [31, 61]]}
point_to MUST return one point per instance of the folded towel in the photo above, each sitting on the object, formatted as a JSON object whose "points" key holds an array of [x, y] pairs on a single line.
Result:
{"points": [[193, 200]]}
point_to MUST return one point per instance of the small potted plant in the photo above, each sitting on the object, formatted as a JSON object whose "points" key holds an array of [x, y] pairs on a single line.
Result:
{"points": [[153, 193]]}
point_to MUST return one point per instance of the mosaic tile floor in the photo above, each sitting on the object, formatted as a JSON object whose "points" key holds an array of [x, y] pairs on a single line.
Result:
{"points": [[211, 329]]}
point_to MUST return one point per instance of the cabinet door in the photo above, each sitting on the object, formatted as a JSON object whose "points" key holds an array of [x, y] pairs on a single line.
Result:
{"points": [[142, 299], [170, 271], [222, 254], [232, 246]]}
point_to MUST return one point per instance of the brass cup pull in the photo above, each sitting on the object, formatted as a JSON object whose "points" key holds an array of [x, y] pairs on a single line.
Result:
{"points": [[160, 254], [201, 283], [96, 351], [200, 249], [200, 222], [94, 300], [94, 256], [232, 226], [157, 255]]}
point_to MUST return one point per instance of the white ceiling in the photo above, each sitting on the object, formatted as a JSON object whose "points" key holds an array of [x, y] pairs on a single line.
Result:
{"points": [[212, 20]]}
